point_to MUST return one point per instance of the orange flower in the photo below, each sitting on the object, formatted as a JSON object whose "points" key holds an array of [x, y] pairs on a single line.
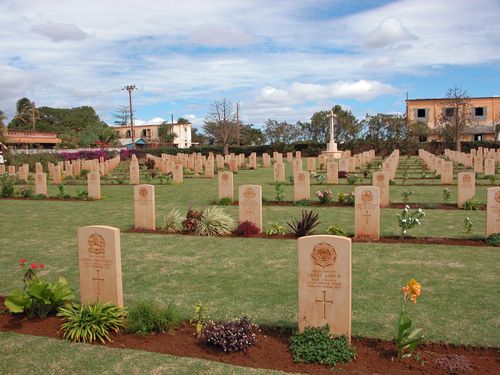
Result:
{"points": [[412, 290]]}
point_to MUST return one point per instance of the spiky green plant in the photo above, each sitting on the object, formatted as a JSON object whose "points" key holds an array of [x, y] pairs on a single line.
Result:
{"points": [[305, 225], [214, 222], [88, 323], [172, 221]]}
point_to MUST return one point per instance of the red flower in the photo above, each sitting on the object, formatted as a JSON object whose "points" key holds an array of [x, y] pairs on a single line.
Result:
{"points": [[41, 265], [22, 261], [33, 265]]}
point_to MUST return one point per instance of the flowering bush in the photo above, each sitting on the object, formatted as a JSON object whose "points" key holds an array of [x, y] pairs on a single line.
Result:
{"points": [[87, 155], [38, 297], [407, 220], [407, 335], [231, 336], [346, 198], [324, 196]]}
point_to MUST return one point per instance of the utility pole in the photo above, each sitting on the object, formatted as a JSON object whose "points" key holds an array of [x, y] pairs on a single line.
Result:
{"points": [[238, 123], [33, 114], [131, 88]]}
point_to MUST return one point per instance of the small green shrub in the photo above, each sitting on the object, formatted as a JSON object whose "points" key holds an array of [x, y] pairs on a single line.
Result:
{"points": [[280, 192], [147, 316], [84, 173], [352, 179], [336, 230], [315, 345], [392, 182], [467, 227], [172, 221], [493, 239], [406, 195], [407, 220], [7, 185], [320, 178], [472, 204], [225, 201], [214, 222], [276, 229], [302, 202], [346, 198], [83, 194], [446, 194], [88, 323], [26, 192]]}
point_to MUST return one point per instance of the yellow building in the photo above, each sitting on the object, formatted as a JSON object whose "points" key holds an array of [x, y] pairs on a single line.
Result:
{"points": [[484, 117], [148, 135]]}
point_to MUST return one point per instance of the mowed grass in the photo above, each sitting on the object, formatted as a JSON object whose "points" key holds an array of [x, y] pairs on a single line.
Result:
{"points": [[18, 357], [258, 277]]}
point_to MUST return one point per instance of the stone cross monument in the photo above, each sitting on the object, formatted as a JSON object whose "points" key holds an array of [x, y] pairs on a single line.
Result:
{"points": [[331, 149]]}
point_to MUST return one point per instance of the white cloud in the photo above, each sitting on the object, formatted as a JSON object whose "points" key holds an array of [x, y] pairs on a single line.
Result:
{"points": [[299, 92], [59, 32], [390, 31], [220, 36]]}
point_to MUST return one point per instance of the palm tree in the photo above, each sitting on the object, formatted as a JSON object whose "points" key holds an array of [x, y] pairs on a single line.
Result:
{"points": [[25, 117]]}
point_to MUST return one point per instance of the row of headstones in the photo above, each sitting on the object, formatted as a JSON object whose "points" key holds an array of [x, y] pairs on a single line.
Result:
{"points": [[348, 164], [482, 160], [324, 276], [439, 165], [390, 164]]}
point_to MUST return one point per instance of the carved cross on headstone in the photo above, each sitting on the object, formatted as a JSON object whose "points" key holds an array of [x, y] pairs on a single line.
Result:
{"points": [[250, 211], [367, 215], [98, 284], [324, 301]]}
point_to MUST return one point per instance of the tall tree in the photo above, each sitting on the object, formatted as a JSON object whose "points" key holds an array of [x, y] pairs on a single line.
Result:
{"points": [[281, 132], [166, 133], [220, 123], [26, 115], [251, 136], [121, 116], [182, 120], [456, 117], [3, 130]]}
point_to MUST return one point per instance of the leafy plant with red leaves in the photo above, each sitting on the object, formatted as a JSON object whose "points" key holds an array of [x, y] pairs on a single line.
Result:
{"points": [[246, 228]]}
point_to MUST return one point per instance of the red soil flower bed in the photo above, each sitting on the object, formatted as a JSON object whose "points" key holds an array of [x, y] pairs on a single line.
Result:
{"points": [[271, 350]]}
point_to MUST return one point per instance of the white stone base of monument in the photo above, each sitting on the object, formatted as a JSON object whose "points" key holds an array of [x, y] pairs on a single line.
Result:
{"points": [[335, 154]]}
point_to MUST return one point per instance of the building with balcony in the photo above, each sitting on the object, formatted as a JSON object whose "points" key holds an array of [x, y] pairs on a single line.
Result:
{"points": [[485, 115], [147, 135]]}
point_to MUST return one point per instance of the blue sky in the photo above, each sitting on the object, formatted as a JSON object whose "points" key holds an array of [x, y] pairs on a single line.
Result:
{"points": [[280, 59]]}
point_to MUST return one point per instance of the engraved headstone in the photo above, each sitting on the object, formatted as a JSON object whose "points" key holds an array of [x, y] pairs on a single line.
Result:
{"points": [[332, 173], [178, 175], [99, 259], [381, 180], [93, 185], [301, 186], [56, 175], [250, 204], [225, 180], [41, 184], [493, 211], [311, 164], [279, 172], [466, 187], [144, 207], [367, 212], [324, 278]]}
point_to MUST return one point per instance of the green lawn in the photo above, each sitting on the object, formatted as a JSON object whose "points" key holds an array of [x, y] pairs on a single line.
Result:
{"points": [[238, 276], [18, 357]]}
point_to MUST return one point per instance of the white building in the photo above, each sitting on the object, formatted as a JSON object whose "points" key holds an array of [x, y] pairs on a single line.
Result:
{"points": [[148, 135]]}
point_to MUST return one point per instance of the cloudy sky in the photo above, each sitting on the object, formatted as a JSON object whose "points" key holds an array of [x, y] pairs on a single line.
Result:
{"points": [[281, 59]]}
